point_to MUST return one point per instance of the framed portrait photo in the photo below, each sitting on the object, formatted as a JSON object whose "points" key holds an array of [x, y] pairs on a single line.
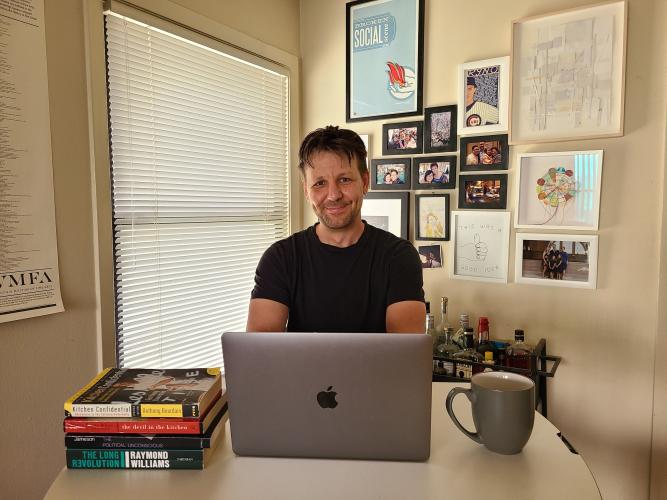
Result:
{"points": [[390, 174], [431, 256], [489, 152], [483, 191], [568, 74], [558, 190], [556, 260], [483, 103], [388, 211], [481, 246], [440, 129], [402, 138], [384, 58], [432, 217], [434, 172]]}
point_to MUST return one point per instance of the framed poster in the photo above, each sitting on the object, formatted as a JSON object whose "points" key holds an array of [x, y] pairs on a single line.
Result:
{"points": [[390, 174], [440, 129], [384, 59], [402, 138], [483, 191], [489, 152], [568, 74], [432, 217], [558, 190], [388, 211], [434, 172], [483, 102], [556, 260], [481, 246]]}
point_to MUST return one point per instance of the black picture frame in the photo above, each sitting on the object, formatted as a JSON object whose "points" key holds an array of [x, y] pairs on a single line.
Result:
{"points": [[378, 198], [383, 166], [474, 196], [449, 144], [389, 147], [384, 111], [465, 149], [427, 229], [417, 177]]}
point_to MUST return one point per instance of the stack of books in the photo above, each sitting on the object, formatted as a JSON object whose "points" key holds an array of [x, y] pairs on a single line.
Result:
{"points": [[145, 419]]}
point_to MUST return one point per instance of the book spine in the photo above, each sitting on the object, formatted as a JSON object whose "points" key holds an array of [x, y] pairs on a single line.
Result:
{"points": [[106, 442], [81, 426], [134, 459], [98, 410]]}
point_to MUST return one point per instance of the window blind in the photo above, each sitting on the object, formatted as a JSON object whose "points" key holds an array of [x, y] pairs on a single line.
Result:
{"points": [[199, 168]]}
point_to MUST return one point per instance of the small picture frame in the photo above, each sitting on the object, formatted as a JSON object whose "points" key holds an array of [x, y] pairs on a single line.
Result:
{"points": [[390, 174], [432, 217], [483, 103], [483, 191], [440, 129], [563, 260], [387, 211], [402, 138], [434, 172], [431, 256], [484, 153]]}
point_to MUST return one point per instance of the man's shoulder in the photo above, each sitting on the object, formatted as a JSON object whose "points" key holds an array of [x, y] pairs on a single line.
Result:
{"points": [[291, 243], [387, 240]]}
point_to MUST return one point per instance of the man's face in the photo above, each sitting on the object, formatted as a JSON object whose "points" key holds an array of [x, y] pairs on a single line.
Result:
{"points": [[394, 175], [470, 92], [435, 169], [482, 146], [335, 189]]}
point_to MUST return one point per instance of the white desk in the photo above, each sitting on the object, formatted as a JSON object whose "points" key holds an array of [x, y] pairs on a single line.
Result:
{"points": [[458, 469]]}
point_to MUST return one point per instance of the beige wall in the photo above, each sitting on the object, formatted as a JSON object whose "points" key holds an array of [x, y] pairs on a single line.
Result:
{"points": [[602, 395]]}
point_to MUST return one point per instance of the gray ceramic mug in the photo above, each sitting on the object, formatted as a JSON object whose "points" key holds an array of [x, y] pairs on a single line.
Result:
{"points": [[503, 410]]}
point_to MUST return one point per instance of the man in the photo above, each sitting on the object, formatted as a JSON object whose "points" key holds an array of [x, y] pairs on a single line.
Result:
{"points": [[439, 176], [340, 274], [473, 158], [478, 112], [395, 179]]}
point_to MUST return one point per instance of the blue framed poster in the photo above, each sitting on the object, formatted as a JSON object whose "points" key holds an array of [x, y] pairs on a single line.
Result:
{"points": [[384, 63]]}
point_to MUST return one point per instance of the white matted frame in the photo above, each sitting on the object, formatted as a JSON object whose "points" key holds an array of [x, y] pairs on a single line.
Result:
{"points": [[481, 246], [568, 74], [491, 96], [365, 138], [388, 211], [577, 267], [559, 190]]}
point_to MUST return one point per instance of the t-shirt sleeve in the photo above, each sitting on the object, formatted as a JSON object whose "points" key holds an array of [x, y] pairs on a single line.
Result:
{"points": [[271, 276], [405, 275]]}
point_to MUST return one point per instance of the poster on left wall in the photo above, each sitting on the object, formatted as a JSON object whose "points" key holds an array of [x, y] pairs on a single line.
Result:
{"points": [[29, 276]]}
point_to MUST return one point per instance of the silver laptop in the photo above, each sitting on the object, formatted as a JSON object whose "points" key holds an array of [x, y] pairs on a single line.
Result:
{"points": [[329, 395]]}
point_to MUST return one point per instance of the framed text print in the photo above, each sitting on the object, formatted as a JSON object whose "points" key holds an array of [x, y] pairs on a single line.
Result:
{"points": [[384, 59], [568, 74]]}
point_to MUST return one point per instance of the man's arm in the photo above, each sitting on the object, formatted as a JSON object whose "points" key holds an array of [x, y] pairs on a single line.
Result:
{"points": [[265, 315], [408, 316]]}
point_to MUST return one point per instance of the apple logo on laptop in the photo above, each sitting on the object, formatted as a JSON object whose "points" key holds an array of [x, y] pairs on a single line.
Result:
{"points": [[327, 399]]}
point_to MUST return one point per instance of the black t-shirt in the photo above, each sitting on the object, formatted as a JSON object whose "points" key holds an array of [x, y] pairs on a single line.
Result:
{"points": [[331, 289]]}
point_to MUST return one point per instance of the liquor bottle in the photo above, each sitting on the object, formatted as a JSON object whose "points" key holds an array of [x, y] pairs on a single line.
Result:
{"points": [[446, 349], [444, 318], [519, 353], [430, 330], [483, 340], [458, 339], [465, 370]]}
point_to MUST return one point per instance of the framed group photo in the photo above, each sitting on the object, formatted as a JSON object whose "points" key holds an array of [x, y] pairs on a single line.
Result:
{"points": [[402, 138], [440, 129], [489, 152], [387, 211], [432, 217], [483, 191], [384, 59], [390, 174], [434, 172]]}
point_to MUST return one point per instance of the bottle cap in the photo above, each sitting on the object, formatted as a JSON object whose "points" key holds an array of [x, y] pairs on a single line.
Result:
{"points": [[444, 300], [488, 356], [469, 330]]}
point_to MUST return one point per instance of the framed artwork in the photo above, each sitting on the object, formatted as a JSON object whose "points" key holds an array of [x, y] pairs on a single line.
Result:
{"points": [[489, 152], [558, 190], [402, 138], [568, 74], [366, 140], [483, 191], [430, 255], [434, 172], [432, 217], [440, 129], [481, 246], [556, 260], [483, 103], [388, 211], [390, 174], [384, 59]]}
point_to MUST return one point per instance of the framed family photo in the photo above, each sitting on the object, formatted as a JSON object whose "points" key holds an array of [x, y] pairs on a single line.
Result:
{"points": [[402, 138], [430, 255], [568, 74], [390, 174], [489, 152], [440, 129], [556, 260], [388, 211], [483, 102], [558, 190], [483, 191], [384, 58], [434, 172], [432, 217]]}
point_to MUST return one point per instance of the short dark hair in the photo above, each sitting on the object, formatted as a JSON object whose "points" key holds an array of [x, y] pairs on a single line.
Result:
{"points": [[341, 141]]}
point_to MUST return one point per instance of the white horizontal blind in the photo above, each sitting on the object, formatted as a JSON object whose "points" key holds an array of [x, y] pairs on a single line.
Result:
{"points": [[199, 145]]}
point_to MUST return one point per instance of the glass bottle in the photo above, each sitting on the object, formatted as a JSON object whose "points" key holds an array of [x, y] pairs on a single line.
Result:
{"points": [[444, 318], [458, 339], [519, 353], [430, 331], [483, 340], [466, 370], [446, 349]]}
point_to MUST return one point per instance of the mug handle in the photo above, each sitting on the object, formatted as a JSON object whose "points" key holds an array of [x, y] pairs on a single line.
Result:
{"points": [[450, 400]]}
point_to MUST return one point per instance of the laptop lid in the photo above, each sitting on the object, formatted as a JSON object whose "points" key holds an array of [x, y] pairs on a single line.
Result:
{"points": [[329, 395]]}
